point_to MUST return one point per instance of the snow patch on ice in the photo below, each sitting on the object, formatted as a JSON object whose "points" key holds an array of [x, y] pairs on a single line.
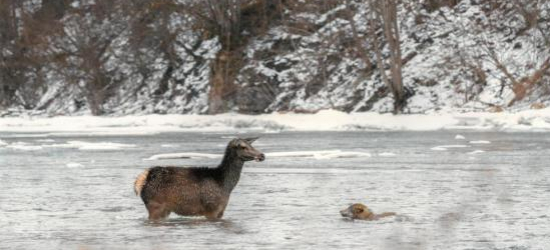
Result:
{"points": [[446, 147], [187, 155], [460, 137], [327, 154], [480, 142], [387, 154], [326, 120], [74, 165], [23, 146], [454, 146], [45, 140], [82, 145], [475, 152]]}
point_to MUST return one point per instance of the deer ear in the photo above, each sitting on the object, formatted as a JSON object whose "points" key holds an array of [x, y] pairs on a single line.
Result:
{"points": [[251, 140]]}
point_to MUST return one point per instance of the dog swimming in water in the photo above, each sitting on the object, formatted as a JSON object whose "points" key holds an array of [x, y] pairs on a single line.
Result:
{"points": [[361, 212]]}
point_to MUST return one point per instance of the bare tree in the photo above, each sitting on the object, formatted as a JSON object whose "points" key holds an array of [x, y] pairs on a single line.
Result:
{"points": [[384, 13], [85, 47], [10, 72], [357, 40], [233, 22]]}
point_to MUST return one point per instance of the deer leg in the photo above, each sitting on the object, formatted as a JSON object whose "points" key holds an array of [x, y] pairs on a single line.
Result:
{"points": [[157, 211], [216, 213]]}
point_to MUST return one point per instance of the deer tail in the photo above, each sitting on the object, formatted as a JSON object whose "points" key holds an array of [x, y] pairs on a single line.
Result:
{"points": [[140, 182]]}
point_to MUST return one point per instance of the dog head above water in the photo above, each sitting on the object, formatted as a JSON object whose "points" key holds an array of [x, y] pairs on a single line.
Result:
{"points": [[244, 149], [357, 211]]}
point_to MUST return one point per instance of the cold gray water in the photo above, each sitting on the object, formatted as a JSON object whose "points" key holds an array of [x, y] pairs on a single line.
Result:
{"points": [[487, 191]]}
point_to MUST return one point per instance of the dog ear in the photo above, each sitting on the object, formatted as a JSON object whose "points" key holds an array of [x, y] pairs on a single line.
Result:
{"points": [[250, 140]]}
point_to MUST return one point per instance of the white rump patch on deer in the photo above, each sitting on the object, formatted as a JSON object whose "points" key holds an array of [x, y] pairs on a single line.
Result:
{"points": [[140, 182]]}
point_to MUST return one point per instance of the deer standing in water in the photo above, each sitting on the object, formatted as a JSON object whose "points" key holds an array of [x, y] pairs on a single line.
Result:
{"points": [[195, 191]]}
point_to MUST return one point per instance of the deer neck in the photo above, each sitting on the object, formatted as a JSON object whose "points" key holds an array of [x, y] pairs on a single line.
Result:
{"points": [[231, 168]]}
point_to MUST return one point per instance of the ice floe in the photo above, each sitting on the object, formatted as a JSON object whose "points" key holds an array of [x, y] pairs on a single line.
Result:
{"points": [[188, 155], [446, 147], [326, 154], [480, 142], [475, 152], [74, 165], [83, 145], [45, 140], [23, 146]]}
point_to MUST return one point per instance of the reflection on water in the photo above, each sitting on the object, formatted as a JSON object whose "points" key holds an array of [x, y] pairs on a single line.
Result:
{"points": [[495, 198], [195, 222]]}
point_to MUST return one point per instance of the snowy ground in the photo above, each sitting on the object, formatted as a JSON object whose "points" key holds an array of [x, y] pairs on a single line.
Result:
{"points": [[326, 120], [451, 190]]}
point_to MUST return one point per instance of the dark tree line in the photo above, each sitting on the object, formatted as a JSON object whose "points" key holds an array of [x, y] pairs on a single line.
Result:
{"points": [[83, 44]]}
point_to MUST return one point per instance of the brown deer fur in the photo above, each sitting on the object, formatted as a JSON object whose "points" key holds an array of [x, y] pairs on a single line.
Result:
{"points": [[195, 191]]}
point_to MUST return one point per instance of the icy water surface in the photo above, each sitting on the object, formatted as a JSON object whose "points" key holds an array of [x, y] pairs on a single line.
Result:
{"points": [[487, 191]]}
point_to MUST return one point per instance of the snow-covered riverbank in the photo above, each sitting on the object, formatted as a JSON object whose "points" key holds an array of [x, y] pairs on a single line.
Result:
{"points": [[327, 120]]}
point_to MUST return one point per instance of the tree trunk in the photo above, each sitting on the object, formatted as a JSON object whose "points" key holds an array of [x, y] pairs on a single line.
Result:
{"points": [[11, 76], [52, 9], [385, 12], [222, 85], [356, 40]]}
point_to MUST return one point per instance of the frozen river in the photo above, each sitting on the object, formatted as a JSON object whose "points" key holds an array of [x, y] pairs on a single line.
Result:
{"points": [[484, 190]]}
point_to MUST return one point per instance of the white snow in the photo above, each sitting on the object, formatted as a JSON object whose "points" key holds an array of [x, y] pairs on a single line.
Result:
{"points": [[3, 143], [326, 154], [387, 154], [325, 120], [83, 145], [480, 142], [446, 147], [453, 146], [460, 137], [74, 165], [45, 140], [475, 152], [23, 146], [187, 155]]}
